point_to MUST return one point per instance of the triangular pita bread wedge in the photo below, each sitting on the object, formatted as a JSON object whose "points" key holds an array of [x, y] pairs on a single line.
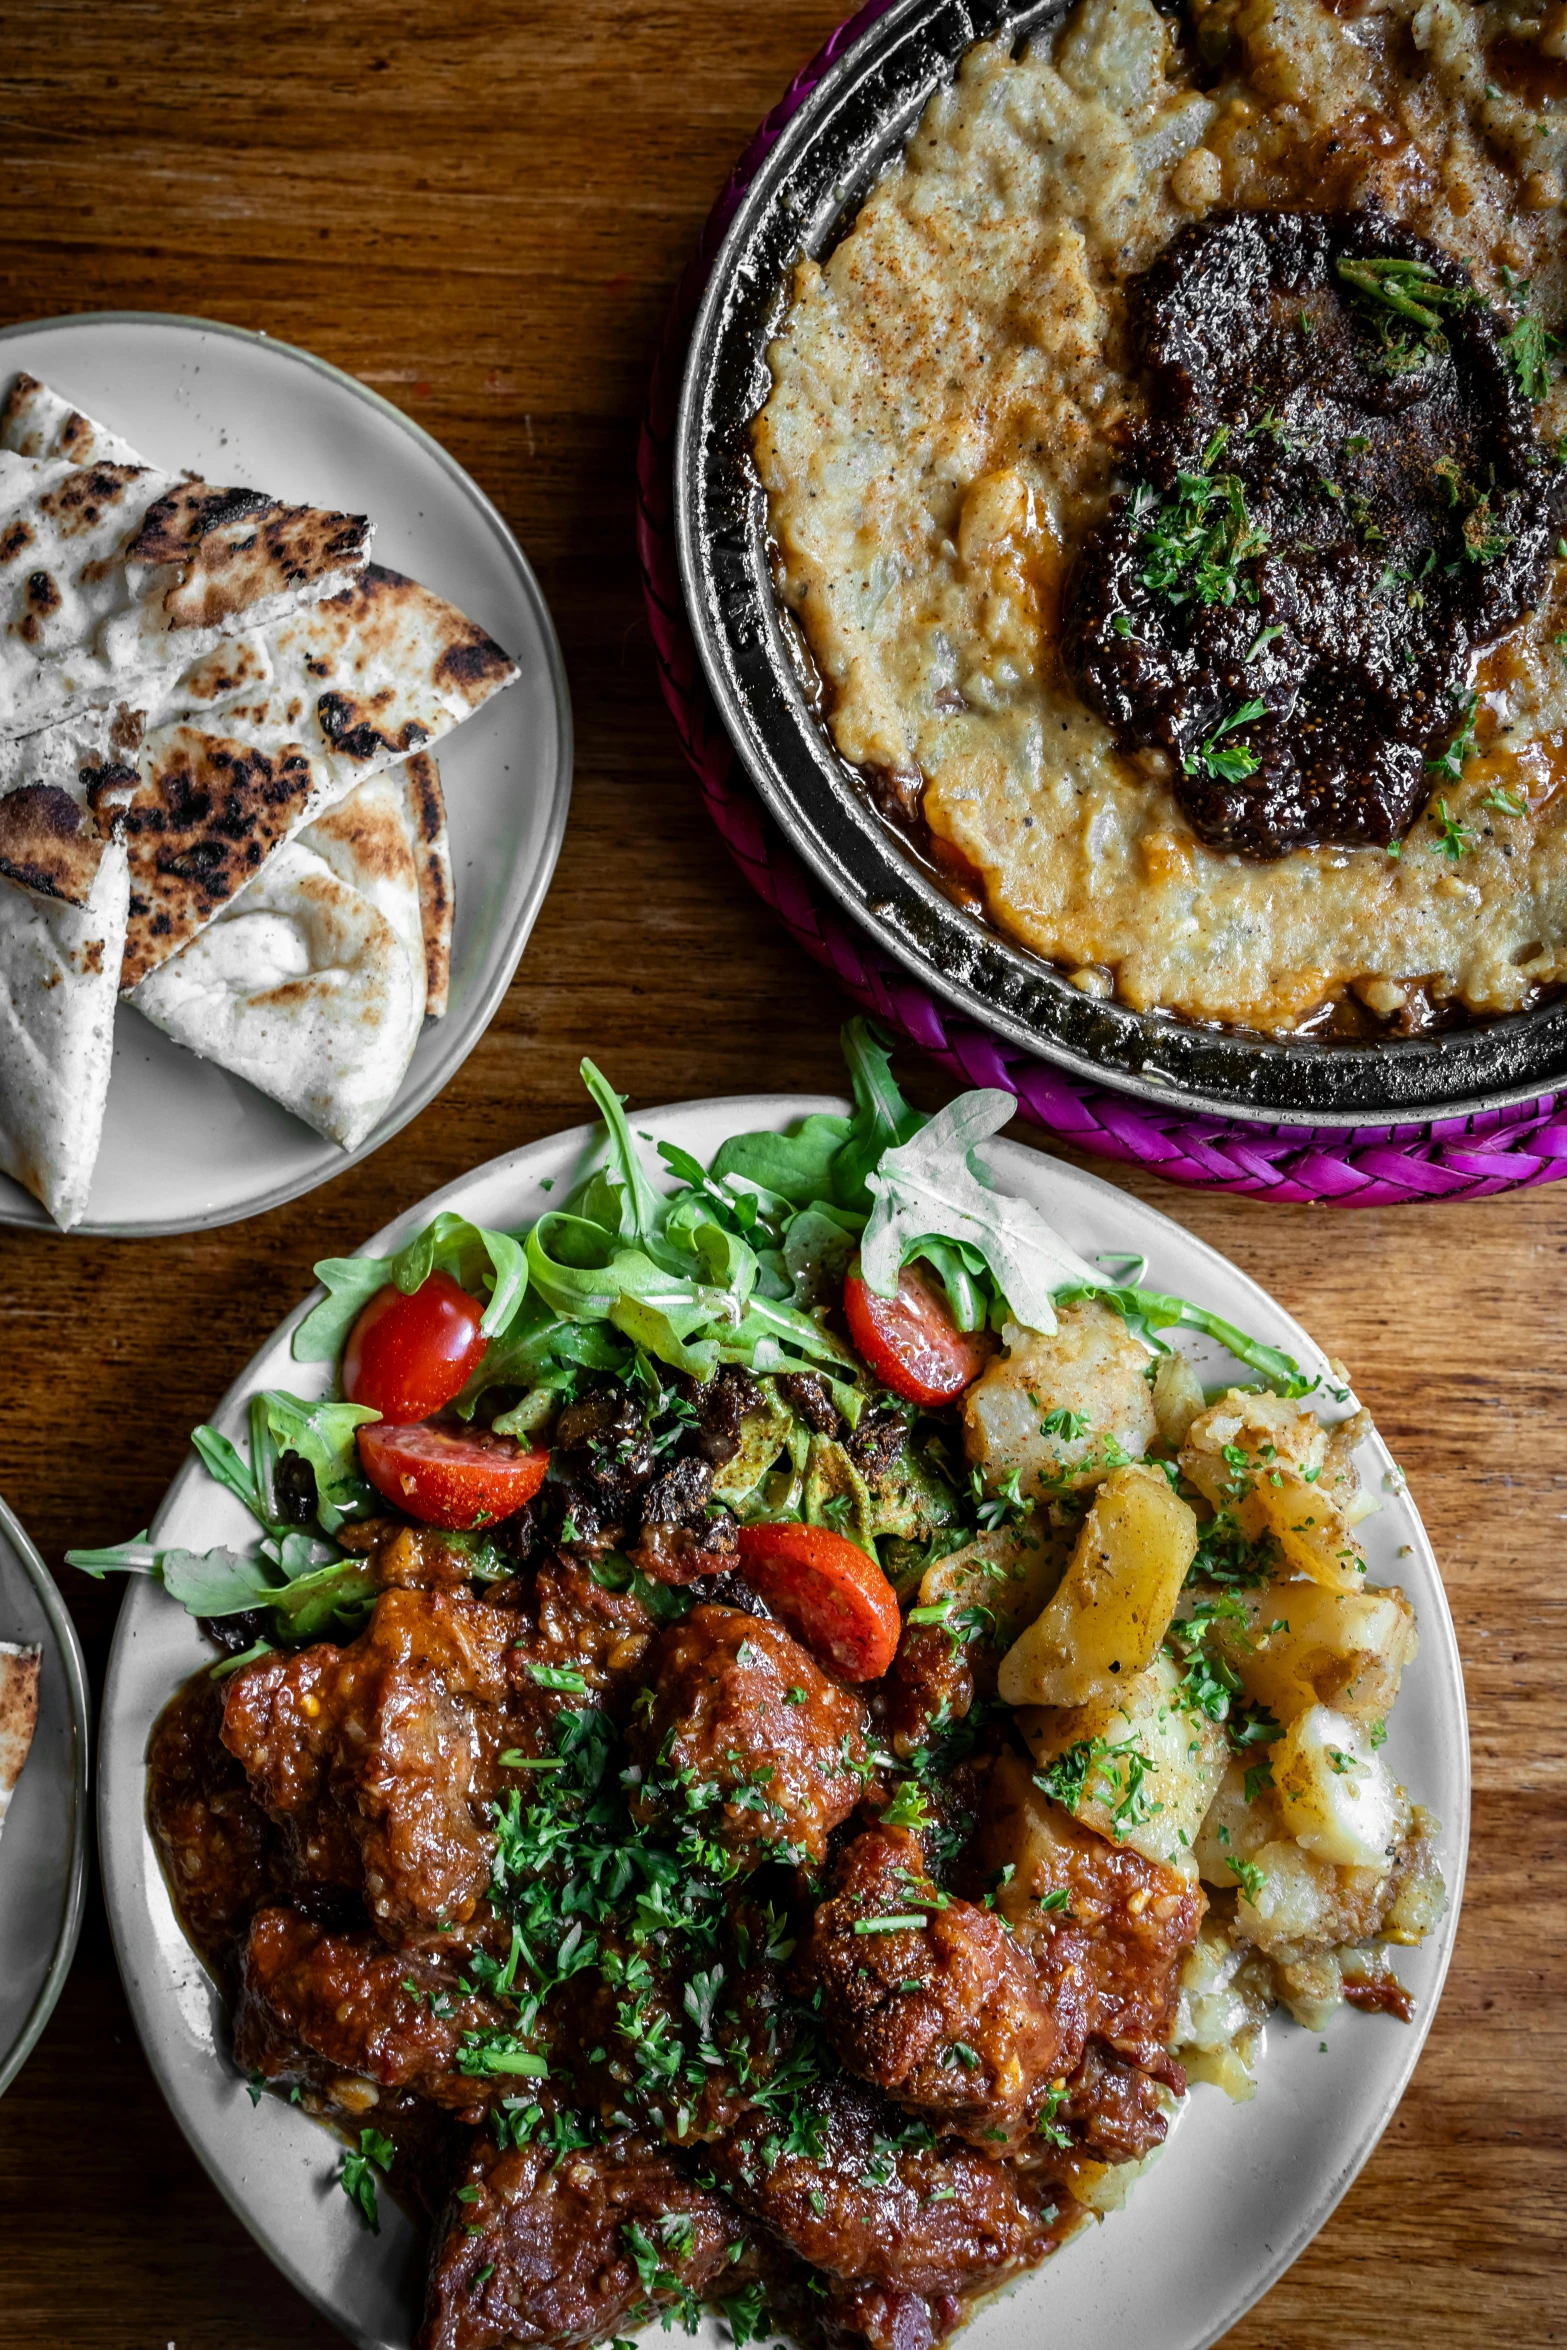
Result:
{"points": [[59, 982], [311, 982], [424, 817], [355, 684], [19, 1668], [112, 572]]}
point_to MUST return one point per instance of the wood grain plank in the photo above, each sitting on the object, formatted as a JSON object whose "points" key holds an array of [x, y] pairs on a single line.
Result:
{"points": [[482, 213]]}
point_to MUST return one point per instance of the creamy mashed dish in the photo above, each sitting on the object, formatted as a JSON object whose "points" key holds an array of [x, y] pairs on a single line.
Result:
{"points": [[960, 405]]}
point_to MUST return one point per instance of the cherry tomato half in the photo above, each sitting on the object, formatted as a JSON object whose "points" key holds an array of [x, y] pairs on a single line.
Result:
{"points": [[834, 1598], [407, 1356], [450, 1476], [910, 1341]]}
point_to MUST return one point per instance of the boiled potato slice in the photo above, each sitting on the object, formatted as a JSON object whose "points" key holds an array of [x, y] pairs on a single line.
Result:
{"points": [[1059, 1412], [1341, 1648], [1275, 1469], [1012, 1572], [1309, 1525], [1335, 1797], [1115, 1600], [1178, 1398], [1139, 1767]]}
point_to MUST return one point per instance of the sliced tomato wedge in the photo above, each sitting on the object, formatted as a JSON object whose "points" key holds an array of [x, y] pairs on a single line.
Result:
{"points": [[450, 1476], [834, 1598], [911, 1341], [409, 1354]]}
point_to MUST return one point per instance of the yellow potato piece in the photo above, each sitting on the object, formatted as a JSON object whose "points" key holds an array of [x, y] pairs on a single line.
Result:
{"points": [[1012, 1572], [1343, 1648], [1310, 1528], [1115, 1600], [1156, 1765], [1334, 1794]]}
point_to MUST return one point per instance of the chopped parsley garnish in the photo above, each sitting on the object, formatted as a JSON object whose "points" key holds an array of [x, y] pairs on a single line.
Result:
{"points": [[1504, 803], [1235, 761], [1066, 1424], [1248, 1876], [1451, 761], [1528, 349], [1197, 540], [1096, 1770], [1453, 838], [356, 2175], [565, 1677]]}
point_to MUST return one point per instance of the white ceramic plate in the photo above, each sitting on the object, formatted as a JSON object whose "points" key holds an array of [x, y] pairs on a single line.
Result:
{"points": [[185, 1145], [43, 1848], [1239, 2191]]}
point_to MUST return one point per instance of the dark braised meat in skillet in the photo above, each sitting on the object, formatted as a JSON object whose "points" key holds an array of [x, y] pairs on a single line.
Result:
{"points": [[1339, 507]]}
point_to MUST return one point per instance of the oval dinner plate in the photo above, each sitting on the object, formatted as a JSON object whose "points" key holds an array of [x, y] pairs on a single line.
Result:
{"points": [[43, 1846], [185, 1145], [1238, 2191]]}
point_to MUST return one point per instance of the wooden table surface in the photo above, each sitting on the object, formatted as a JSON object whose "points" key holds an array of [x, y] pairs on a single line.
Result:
{"points": [[482, 213]]}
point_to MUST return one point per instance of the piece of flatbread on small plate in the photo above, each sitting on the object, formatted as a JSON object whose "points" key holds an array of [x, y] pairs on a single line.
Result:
{"points": [[312, 982], [19, 1670], [59, 984], [112, 572]]}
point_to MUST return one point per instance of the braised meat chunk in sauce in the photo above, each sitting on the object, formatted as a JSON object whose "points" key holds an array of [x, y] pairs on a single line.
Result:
{"points": [[1342, 499], [930, 1997], [542, 2247], [743, 1721]]}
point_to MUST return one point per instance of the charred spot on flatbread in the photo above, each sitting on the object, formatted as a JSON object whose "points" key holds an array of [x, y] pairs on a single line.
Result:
{"points": [[42, 598], [48, 843], [474, 660], [235, 547], [464, 659], [350, 728], [15, 541], [229, 669], [205, 816], [24, 390], [84, 497]]}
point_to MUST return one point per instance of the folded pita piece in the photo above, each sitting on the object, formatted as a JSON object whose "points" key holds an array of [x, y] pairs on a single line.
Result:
{"points": [[112, 572], [312, 982], [19, 1668], [418, 780], [59, 983]]}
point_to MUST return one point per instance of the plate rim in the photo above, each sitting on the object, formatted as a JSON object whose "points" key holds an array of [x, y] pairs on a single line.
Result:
{"points": [[119, 1872], [60, 1623], [409, 1101], [897, 905]]}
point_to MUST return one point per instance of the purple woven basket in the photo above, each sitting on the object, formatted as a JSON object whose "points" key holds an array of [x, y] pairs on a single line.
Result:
{"points": [[1450, 1158]]}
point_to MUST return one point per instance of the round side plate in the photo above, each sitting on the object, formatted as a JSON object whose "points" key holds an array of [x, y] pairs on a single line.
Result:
{"points": [[43, 1847], [186, 1146]]}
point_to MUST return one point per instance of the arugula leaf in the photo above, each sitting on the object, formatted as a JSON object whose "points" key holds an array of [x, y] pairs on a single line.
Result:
{"points": [[215, 1582], [1148, 1311], [797, 1165], [641, 1208], [932, 1187], [882, 1118]]}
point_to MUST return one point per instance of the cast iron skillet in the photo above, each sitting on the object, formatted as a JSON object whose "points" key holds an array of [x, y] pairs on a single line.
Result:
{"points": [[802, 198]]}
